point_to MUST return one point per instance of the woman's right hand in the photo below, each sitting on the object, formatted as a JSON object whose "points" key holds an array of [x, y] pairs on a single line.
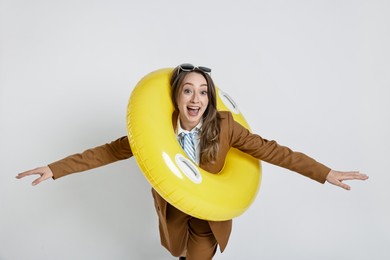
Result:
{"points": [[45, 173]]}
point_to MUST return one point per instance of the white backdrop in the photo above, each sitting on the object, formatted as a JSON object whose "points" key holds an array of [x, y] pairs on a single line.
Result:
{"points": [[313, 75]]}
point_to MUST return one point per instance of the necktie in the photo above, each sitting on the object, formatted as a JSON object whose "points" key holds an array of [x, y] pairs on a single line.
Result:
{"points": [[187, 142]]}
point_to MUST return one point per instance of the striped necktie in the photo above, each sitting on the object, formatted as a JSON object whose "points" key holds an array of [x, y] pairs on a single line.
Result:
{"points": [[187, 143]]}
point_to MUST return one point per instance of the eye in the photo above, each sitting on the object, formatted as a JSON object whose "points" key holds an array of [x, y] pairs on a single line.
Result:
{"points": [[203, 92], [187, 91]]}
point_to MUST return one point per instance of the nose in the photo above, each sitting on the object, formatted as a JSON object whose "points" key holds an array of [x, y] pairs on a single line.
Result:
{"points": [[195, 97]]}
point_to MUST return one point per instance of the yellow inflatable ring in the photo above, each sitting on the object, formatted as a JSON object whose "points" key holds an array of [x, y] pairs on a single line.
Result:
{"points": [[201, 194]]}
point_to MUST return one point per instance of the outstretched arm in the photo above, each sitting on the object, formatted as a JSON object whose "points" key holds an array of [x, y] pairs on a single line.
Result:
{"points": [[337, 178], [89, 159]]}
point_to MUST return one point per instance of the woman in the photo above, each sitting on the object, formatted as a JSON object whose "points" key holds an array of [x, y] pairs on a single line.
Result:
{"points": [[213, 134]]}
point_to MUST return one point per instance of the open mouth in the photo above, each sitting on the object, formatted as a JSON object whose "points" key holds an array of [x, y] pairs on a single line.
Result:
{"points": [[193, 111]]}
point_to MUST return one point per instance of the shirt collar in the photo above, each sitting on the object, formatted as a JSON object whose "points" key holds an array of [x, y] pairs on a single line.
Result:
{"points": [[180, 130]]}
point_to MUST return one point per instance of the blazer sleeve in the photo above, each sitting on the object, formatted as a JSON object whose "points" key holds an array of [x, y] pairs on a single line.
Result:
{"points": [[92, 158], [272, 152]]}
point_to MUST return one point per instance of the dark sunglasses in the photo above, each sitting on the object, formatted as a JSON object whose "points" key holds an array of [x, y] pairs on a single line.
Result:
{"points": [[190, 67]]}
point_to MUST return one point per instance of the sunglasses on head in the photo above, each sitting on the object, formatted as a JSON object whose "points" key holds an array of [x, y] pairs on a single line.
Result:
{"points": [[190, 67]]}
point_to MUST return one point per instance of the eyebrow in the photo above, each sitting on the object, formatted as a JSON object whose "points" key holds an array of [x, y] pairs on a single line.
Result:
{"points": [[189, 83]]}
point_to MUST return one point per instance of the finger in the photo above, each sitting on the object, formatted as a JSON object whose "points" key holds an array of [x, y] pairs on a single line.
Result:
{"points": [[339, 183], [27, 173], [344, 186], [39, 180], [361, 176], [354, 176]]}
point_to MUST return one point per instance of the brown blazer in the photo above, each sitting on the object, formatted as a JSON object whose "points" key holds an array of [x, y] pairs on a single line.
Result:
{"points": [[232, 135]]}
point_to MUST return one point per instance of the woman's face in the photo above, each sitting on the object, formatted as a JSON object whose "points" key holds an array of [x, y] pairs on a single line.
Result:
{"points": [[192, 100]]}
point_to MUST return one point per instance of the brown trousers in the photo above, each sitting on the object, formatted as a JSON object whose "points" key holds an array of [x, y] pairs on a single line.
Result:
{"points": [[187, 236]]}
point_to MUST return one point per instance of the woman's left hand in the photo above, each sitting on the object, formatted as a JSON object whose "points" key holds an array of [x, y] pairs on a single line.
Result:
{"points": [[337, 178]]}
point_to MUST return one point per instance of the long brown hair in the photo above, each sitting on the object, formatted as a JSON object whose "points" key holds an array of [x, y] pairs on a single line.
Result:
{"points": [[209, 137]]}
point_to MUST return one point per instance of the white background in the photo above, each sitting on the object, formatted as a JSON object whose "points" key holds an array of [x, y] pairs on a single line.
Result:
{"points": [[313, 75]]}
